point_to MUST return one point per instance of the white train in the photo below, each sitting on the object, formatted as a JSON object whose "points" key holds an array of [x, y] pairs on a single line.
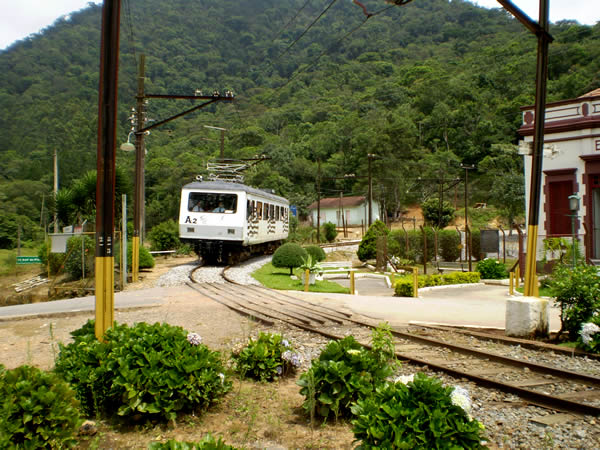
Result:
{"points": [[228, 222]]}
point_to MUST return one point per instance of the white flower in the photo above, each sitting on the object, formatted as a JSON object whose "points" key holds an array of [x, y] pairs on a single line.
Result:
{"points": [[285, 343], [222, 377], [194, 338], [279, 370], [404, 379], [460, 397], [587, 331]]}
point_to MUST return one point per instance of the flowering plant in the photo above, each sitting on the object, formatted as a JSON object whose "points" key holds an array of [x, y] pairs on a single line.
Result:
{"points": [[590, 336], [267, 358]]}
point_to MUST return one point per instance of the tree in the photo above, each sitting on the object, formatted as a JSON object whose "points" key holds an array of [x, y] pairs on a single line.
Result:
{"points": [[368, 246], [289, 255], [436, 213]]}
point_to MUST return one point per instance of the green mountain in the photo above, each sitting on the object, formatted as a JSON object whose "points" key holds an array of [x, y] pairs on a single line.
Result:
{"points": [[425, 87]]}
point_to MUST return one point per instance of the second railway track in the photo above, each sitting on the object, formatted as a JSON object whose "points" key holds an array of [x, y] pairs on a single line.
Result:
{"points": [[538, 384]]}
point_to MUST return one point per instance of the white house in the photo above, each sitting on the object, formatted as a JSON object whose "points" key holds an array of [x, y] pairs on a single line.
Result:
{"points": [[354, 210], [571, 165]]}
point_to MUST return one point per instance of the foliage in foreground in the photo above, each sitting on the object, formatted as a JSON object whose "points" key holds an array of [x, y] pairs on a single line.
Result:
{"points": [[577, 293], [144, 371], [417, 415], [208, 442], [346, 371], [266, 358], [404, 287], [165, 236], [316, 253], [37, 409]]}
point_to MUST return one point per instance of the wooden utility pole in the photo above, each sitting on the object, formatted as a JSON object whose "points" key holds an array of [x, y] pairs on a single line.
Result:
{"points": [[105, 185], [318, 201], [55, 188], [467, 229], [139, 176]]}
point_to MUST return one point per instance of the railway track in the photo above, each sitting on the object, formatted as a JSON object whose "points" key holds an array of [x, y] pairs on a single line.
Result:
{"points": [[538, 384]]}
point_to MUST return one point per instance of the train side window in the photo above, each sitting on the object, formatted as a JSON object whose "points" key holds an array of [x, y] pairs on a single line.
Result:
{"points": [[259, 209], [277, 213], [248, 208], [266, 212], [271, 211]]}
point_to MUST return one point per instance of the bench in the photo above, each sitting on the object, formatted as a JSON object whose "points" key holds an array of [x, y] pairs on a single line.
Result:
{"points": [[445, 266], [333, 267]]}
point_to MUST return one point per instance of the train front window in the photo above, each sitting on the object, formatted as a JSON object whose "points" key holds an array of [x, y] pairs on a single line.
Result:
{"points": [[209, 202]]}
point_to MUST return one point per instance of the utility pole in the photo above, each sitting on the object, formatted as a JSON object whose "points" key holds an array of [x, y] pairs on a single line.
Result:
{"points": [[139, 176], [105, 184], [467, 230], [55, 159], [370, 157], [223, 130], [318, 201]]}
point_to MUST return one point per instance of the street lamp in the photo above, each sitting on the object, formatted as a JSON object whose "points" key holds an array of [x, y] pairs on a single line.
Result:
{"points": [[574, 207], [128, 146]]}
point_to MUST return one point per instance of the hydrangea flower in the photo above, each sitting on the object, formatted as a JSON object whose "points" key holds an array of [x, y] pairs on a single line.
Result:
{"points": [[285, 343], [293, 358], [194, 338], [460, 397], [587, 331], [279, 370], [404, 379]]}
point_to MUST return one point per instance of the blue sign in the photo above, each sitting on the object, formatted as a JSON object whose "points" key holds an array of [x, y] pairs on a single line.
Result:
{"points": [[294, 210]]}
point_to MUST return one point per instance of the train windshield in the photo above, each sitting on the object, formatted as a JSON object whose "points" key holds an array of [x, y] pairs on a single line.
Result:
{"points": [[212, 202]]}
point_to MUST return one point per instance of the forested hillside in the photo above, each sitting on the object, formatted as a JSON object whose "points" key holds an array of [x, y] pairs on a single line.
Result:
{"points": [[425, 87]]}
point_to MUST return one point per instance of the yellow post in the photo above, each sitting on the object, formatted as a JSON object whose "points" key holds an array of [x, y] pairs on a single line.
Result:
{"points": [[517, 277], [536, 286], [306, 279], [105, 295], [135, 258], [511, 281], [352, 283], [415, 282], [530, 277]]}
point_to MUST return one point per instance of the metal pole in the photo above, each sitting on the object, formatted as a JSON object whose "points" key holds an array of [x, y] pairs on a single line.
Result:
{"points": [[467, 229], [369, 157], [574, 249], [124, 240], [105, 185], [538, 148], [55, 188], [139, 171]]}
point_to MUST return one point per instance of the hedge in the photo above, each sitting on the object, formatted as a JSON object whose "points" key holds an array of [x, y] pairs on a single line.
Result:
{"points": [[404, 287]]}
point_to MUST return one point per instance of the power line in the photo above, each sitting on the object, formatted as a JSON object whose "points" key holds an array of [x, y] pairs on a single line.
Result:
{"points": [[130, 29], [291, 20]]}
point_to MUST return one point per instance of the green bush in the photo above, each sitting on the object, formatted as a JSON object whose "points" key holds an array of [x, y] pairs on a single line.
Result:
{"points": [[344, 372], [368, 246], [144, 371], [316, 253], [207, 443], [397, 245], [492, 269], [266, 358], [165, 236], [448, 243], [417, 415], [577, 293], [289, 255], [73, 264], [434, 216], [404, 286], [37, 410], [146, 259], [329, 231]]}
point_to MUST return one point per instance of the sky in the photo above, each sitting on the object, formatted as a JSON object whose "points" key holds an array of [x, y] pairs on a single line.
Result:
{"points": [[20, 18]]}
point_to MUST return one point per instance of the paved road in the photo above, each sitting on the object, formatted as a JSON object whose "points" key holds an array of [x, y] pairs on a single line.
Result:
{"points": [[474, 305]]}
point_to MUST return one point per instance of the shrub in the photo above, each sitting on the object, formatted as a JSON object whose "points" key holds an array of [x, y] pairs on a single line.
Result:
{"points": [[577, 292], [147, 371], [289, 255], [491, 269], [344, 372], [165, 236], [207, 443], [73, 264], [316, 253], [368, 246], [146, 259], [329, 231], [434, 216], [419, 414], [404, 286], [37, 410], [266, 358], [449, 242]]}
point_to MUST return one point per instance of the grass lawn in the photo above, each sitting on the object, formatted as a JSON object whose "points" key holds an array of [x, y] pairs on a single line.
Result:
{"points": [[8, 260], [275, 278], [544, 291]]}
